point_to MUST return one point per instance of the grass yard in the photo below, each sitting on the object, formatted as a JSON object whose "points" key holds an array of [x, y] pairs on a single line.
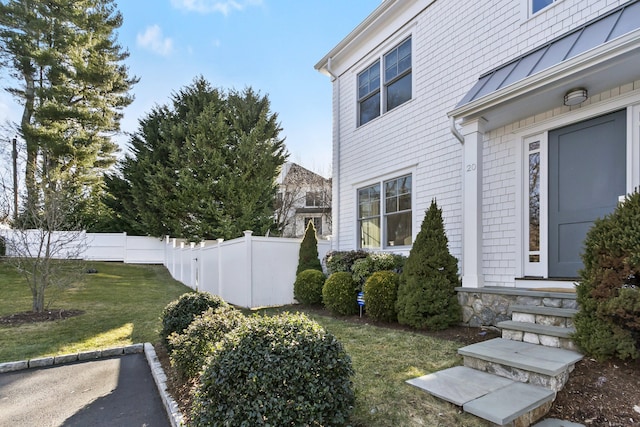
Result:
{"points": [[121, 303], [383, 359]]}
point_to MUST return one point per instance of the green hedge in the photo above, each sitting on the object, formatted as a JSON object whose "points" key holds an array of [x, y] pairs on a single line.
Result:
{"points": [[307, 288], [380, 294], [276, 371], [178, 314], [339, 294], [608, 323], [191, 348]]}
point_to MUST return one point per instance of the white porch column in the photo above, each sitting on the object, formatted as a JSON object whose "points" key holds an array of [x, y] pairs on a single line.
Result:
{"points": [[473, 132]]}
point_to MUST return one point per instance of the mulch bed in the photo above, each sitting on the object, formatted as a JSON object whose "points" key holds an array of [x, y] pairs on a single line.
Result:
{"points": [[34, 317]]}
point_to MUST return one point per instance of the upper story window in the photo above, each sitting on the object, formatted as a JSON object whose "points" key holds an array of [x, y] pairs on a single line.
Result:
{"points": [[397, 75], [369, 93], [538, 5], [314, 199], [397, 83]]}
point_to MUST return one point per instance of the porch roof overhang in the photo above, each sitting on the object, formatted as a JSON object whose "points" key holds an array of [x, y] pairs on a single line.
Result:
{"points": [[600, 55]]}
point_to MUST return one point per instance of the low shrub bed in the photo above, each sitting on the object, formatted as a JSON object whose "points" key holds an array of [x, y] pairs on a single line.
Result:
{"points": [[284, 370], [178, 314]]}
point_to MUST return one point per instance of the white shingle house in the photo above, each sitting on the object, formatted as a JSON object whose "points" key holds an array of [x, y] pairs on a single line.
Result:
{"points": [[520, 117], [303, 196]]}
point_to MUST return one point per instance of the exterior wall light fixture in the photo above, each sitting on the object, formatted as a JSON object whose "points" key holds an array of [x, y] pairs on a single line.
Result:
{"points": [[575, 96]]}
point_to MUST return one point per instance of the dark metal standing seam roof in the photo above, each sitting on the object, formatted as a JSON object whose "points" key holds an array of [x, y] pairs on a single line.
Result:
{"points": [[618, 22]]}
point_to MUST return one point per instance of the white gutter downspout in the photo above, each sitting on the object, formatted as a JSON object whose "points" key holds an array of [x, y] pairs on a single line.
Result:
{"points": [[456, 132], [335, 209]]}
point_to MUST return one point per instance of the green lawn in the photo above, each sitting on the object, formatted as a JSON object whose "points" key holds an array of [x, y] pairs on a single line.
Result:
{"points": [[122, 305], [383, 359]]}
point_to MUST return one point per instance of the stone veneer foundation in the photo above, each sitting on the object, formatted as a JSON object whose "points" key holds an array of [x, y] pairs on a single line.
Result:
{"points": [[490, 305]]}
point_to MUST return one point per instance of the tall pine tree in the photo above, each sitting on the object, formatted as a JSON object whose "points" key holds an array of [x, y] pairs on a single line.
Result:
{"points": [[68, 75], [203, 166], [426, 295]]}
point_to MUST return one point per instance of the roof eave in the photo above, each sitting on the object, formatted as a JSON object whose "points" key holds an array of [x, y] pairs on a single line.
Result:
{"points": [[360, 31], [593, 58]]}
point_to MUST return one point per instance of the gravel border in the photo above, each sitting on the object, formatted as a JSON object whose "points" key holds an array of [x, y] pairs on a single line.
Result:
{"points": [[159, 377]]}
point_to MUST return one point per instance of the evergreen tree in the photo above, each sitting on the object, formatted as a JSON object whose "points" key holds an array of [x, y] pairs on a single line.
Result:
{"points": [[68, 74], [308, 258], [426, 295], [202, 167]]}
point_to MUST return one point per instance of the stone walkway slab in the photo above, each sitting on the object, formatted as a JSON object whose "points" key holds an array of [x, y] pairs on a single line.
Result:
{"points": [[459, 384], [508, 403]]}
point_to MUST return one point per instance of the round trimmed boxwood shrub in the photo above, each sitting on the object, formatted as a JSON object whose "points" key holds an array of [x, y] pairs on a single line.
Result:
{"points": [[178, 314], [380, 294], [608, 294], [339, 294], [284, 370], [192, 347], [307, 288]]}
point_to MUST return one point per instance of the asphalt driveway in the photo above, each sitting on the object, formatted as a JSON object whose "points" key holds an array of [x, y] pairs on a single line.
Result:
{"points": [[118, 391]]}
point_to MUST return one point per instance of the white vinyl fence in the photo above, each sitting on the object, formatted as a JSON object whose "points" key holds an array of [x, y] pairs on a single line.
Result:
{"points": [[249, 271]]}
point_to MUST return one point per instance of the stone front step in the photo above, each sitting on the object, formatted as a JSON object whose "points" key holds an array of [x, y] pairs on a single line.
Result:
{"points": [[520, 361], [533, 333], [494, 398], [550, 316]]}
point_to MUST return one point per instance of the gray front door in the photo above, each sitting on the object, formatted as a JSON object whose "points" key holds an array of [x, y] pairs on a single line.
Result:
{"points": [[587, 173]]}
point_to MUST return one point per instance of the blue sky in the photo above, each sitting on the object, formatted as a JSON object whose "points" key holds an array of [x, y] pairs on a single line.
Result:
{"points": [[270, 45]]}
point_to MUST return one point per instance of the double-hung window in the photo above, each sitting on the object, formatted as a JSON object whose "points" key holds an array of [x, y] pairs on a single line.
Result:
{"points": [[385, 214], [397, 75], [396, 83], [369, 93]]}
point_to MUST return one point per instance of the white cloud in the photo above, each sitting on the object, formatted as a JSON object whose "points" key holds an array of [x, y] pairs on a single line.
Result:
{"points": [[214, 6], [153, 40]]}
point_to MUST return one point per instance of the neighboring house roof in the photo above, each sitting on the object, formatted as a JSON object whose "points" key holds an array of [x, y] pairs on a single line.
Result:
{"points": [[605, 28], [290, 169]]}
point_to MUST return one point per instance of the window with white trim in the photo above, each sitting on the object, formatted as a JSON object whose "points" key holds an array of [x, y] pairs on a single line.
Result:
{"points": [[397, 75], [397, 83], [385, 214], [369, 93]]}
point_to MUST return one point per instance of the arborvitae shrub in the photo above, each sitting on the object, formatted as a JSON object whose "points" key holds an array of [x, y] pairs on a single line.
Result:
{"points": [[277, 371], [307, 288], [608, 323], [380, 294], [336, 261], [308, 258], [426, 295], [197, 342], [339, 294], [178, 314]]}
